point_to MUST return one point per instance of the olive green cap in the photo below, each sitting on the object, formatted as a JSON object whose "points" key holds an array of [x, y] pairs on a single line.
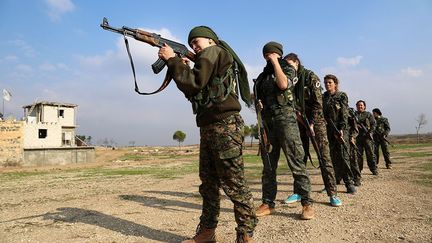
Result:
{"points": [[273, 46], [202, 31]]}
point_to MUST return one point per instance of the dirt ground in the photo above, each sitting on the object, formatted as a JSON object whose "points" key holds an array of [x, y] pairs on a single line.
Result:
{"points": [[65, 204]]}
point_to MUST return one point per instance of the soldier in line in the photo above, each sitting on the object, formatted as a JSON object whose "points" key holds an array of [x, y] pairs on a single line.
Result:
{"points": [[365, 142], [308, 93], [275, 92], [221, 128], [382, 130], [353, 133], [335, 105]]}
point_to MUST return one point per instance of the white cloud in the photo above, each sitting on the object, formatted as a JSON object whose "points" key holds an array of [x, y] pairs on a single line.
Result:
{"points": [[9, 58], [24, 47], [412, 72], [47, 67], [349, 61], [23, 68], [56, 8]]}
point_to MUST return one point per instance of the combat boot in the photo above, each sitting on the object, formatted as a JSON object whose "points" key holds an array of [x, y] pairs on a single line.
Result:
{"points": [[308, 212], [203, 235], [264, 210], [244, 237]]}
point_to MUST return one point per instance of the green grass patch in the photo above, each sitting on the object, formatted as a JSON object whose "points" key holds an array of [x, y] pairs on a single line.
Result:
{"points": [[254, 166], [409, 146], [20, 175], [138, 157], [153, 171], [418, 154], [133, 157], [425, 177]]}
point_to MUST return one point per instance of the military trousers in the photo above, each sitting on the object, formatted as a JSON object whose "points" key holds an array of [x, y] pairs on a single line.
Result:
{"points": [[366, 145], [381, 143], [221, 166], [354, 162], [283, 134], [325, 165], [340, 157]]}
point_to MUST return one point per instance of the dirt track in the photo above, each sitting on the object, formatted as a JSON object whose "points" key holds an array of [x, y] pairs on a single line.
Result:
{"points": [[65, 206]]}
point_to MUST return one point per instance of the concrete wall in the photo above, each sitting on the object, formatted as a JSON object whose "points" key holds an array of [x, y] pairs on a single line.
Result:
{"points": [[11, 142], [51, 114], [58, 156], [31, 135]]}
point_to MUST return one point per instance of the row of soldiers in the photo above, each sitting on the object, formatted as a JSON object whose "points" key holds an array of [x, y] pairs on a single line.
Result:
{"points": [[284, 90], [339, 134]]}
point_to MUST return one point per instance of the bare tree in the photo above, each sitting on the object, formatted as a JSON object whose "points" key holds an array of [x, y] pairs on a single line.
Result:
{"points": [[421, 122]]}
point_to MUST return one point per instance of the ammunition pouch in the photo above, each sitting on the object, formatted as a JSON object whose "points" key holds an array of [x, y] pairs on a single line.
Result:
{"points": [[216, 91]]}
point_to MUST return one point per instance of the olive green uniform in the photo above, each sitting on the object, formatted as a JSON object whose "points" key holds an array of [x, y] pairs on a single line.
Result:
{"points": [[279, 119], [365, 143], [308, 92], [382, 130], [221, 129], [352, 136], [336, 110]]}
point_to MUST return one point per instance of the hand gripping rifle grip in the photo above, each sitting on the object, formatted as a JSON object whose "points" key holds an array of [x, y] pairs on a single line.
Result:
{"points": [[158, 66]]}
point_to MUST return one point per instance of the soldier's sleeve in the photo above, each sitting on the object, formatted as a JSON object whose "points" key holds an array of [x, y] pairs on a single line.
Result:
{"points": [[290, 72], [315, 101], [343, 119], [386, 127], [191, 81], [353, 130], [372, 123]]}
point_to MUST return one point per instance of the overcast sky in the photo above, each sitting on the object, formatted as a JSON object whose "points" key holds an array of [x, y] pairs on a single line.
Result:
{"points": [[55, 50]]}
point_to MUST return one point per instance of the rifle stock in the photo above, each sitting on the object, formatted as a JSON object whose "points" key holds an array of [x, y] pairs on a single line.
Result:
{"points": [[264, 144], [302, 119], [339, 137]]}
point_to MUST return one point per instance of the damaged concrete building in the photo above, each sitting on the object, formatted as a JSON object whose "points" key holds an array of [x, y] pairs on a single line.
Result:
{"points": [[46, 136]]}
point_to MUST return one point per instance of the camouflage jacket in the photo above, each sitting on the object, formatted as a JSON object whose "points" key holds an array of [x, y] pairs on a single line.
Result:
{"points": [[382, 126], [335, 109], [353, 129], [271, 96], [211, 63], [308, 94], [367, 120]]}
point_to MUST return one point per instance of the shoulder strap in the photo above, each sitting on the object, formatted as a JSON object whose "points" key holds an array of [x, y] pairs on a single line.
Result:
{"points": [[165, 83]]}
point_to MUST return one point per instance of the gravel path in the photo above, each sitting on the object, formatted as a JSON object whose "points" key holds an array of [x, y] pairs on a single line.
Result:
{"points": [[57, 207]]}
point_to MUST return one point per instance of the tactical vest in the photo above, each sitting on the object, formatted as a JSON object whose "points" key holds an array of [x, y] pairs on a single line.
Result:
{"points": [[270, 94], [216, 91], [380, 128]]}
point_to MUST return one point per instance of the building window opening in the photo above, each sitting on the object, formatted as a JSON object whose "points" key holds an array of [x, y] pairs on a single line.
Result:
{"points": [[43, 133], [61, 113], [66, 138]]}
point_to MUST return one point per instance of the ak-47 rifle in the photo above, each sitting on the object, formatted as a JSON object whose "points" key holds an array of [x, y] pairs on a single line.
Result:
{"points": [[339, 137], [264, 143], [154, 40], [362, 127], [302, 119]]}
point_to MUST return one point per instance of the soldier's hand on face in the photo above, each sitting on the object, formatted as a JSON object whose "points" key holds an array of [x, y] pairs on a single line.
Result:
{"points": [[352, 140], [166, 52], [273, 57]]}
